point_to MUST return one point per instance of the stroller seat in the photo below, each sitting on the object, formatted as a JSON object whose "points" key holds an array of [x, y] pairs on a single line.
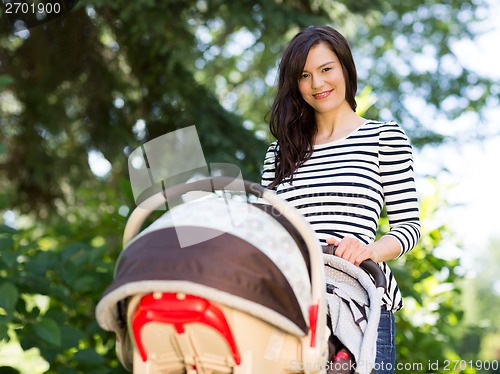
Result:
{"points": [[207, 345], [197, 328], [238, 298]]}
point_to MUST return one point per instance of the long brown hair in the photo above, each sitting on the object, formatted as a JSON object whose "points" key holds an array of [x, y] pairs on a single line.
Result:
{"points": [[292, 121]]}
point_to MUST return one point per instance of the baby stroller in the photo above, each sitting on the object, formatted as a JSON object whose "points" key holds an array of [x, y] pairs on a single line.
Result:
{"points": [[221, 285]]}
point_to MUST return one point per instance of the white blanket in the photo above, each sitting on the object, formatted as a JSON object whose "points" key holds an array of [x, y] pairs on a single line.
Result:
{"points": [[354, 309]]}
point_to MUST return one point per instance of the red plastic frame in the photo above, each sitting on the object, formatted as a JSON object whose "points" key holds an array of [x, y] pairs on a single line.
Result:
{"points": [[172, 309], [313, 322]]}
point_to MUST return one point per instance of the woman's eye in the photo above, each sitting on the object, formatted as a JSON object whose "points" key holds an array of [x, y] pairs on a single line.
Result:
{"points": [[327, 69], [304, 75]]}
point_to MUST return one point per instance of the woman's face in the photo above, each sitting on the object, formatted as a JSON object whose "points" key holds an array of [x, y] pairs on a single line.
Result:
{"points": [[322, 84]]}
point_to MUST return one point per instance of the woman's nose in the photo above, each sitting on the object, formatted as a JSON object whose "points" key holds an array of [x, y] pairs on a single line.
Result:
{"points": [[317, 81]]}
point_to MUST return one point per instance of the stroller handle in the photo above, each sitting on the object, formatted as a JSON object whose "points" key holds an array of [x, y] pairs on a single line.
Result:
{"points": [[368, 265], [211, 184]]}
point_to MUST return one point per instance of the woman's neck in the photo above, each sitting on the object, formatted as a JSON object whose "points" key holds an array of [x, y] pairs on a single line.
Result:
{"points": [[333, 126]]}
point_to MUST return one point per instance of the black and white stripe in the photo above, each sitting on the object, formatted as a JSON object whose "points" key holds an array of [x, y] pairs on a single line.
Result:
{"points": [[343, 187]]}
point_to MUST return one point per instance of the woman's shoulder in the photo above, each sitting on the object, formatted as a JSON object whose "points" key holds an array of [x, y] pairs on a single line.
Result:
{"points": [[389, 133], [273, 147], [271, 152], [392, 134], [391, 126], [386, 129], [273, 144], [387, 126]]}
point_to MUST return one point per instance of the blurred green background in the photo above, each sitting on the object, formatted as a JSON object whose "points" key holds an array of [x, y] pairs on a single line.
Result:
{"points": [[79, 93]]}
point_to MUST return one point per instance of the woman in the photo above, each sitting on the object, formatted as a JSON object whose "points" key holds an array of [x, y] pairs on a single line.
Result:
{"points": [[339, 169]]}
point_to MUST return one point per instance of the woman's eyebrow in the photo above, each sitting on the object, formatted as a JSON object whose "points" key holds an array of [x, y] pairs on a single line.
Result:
{"points": [[326, 63], [323, 65]]}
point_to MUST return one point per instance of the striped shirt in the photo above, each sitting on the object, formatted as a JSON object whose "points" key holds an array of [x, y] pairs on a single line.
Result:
{"points": [[342, 188]]}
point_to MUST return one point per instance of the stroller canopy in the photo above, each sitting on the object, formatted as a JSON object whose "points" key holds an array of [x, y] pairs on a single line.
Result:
{"points": [[233, 252]]}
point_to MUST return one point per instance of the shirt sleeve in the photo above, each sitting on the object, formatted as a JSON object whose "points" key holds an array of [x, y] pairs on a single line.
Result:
{"points": [[398, 183], [269, 167]]}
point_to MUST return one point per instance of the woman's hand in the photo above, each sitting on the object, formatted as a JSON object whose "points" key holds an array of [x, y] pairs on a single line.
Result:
{"points": [[352, 250]]}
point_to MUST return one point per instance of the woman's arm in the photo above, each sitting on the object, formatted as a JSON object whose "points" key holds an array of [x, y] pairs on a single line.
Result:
{"points": [[398, 184], [352, 250]]}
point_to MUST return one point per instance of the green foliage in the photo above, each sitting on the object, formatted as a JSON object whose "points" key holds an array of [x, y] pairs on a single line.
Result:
{"points": [[480, 332], [89, 80], [431, 292], [56, 274], [485, 288], [5, 80]]}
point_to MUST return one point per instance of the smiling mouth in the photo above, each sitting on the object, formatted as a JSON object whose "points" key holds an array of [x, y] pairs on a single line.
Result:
{"points": [[322, 95]]}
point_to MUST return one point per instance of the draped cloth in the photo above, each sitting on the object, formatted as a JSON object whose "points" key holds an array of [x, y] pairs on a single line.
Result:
{"points": [[354, 309]]}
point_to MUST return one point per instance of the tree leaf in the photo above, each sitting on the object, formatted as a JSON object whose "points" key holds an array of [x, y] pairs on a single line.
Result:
{"points": [[8, 296], [49, 331], [85, 283], [89, 357], [7, 229], [71, 336], [4, 329], [5, 80]]}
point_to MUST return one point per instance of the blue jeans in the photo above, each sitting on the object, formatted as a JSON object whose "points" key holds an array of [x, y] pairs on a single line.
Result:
{"points": [[386, 346]]}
